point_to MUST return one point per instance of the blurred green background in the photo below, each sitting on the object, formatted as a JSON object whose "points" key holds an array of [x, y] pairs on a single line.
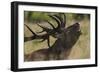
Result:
{"points": [[35, 17], [81, 50]]}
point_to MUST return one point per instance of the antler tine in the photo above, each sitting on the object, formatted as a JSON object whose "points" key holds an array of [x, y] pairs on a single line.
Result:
{"points": [[51, 25], [60, 19], [44, 29], [30, 29], [40, 31], [29, 38], [44, 37], [56, 19], [64, 20], [47, 35]]}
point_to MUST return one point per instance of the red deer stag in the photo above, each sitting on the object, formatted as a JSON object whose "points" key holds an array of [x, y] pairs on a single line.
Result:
{"points": [[66, 38]]}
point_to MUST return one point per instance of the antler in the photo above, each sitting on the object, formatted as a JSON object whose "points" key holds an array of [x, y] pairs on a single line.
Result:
{"points": [[35, 36], [61, 21], [30, 38]]}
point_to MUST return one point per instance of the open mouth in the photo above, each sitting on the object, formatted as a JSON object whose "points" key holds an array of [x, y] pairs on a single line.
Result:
{"points": [[79, 31]]}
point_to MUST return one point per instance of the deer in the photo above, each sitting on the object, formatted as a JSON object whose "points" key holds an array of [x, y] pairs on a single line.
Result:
{"points": [[66, 39]]}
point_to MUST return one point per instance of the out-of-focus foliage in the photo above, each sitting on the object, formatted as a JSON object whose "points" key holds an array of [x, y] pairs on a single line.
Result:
{"points": [[34, 17]]}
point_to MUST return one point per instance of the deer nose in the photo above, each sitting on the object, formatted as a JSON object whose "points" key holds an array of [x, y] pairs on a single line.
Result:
{"points": [[77, 24]]}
